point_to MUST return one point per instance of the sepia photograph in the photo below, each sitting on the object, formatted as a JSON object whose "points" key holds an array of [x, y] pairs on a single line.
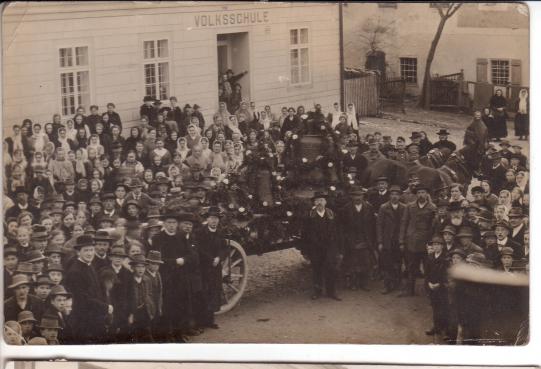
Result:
{"points": [[265, 172]]}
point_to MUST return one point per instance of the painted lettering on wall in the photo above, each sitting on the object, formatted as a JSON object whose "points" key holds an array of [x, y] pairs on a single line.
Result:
{"points": [[229, 19]]}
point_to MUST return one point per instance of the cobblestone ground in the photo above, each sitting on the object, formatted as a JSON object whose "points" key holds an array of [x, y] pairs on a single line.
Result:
{"points": [[276, 308]]}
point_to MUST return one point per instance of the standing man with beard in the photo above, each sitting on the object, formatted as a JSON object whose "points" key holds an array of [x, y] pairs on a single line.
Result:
{"points": [[415, 232], [457, 219], [322, 242]]}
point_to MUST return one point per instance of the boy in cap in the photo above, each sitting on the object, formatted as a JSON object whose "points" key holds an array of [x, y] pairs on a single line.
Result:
{"points": [[57, 308], [27, 322], [103, 243], [154, 260], [443, 142], [43, 287], [465, 240], [55, 272], [516, 225], [49, 329], [502, 230], [39, 237], [54, 254], [506, 259], [436, 279], [144, 308]]}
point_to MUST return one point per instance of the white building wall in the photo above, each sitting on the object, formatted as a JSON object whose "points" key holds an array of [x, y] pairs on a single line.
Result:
{"points": [[114, 33]]}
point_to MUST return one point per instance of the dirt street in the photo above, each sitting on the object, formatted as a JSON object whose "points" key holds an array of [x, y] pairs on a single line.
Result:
{"points": [[277, 308]]}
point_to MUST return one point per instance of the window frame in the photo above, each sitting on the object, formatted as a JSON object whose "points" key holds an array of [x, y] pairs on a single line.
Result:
{"points": [[416, 68], [299, 46], [509, 74], [156, 61], [74, 69]]}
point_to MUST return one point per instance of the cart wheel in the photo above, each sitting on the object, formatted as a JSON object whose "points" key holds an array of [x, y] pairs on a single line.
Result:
{"points": [[234, 276]]}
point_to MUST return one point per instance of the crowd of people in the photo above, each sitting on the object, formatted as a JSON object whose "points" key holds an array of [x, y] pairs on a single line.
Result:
{"points": [[93, 253]]}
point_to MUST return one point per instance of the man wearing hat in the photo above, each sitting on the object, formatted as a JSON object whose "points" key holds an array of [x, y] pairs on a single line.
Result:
{"points": [[388, 234], [495, 173], [490, 248], [401, 151], [27, 322], [353, 161], [145, 310], [136, 193], [132, 210], [109, 208], [323, 245], [449, 242], [121, 295], [415, 232], [49, 329], [506, 259], [154, 261], [178, 258], [103, 243], [11, 259], [380, 194], [212, 251], [457, 219], [516, 223], [517, 149], [408, 195], [39, 237], [480, 197], [440, 219], [443, 142], [42, 287], [21, 299], [120, 197], [147, 110], [502, 230], [504, 151], [21, 204], [356, 221], [373, 152], [436, 279], [90, 308], [465, 240], [57, 308]]}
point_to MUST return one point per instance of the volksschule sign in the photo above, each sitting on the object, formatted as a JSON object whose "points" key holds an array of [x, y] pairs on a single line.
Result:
{"points": [[231, 18]]}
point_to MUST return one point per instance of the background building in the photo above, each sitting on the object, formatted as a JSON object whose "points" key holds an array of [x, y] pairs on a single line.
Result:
{"points": [[488, 41], [59, 55]]}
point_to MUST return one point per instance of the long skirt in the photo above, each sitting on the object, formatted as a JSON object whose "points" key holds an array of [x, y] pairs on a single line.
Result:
{"points": [[500, 125], [522, 124]]}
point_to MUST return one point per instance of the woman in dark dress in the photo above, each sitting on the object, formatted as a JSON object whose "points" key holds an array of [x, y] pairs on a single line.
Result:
{"points": [[522, 118], [498, 104], [488, 119]]}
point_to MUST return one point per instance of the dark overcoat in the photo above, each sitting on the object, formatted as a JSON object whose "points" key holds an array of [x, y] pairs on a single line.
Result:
{"points": [[416, 226], [388, 225]]}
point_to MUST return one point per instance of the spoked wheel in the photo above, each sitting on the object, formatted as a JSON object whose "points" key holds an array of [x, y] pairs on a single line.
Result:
{"points": [[234, 276]]}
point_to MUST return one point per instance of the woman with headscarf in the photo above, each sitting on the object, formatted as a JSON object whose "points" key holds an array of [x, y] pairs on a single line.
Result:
{"points": [[498, 104], [244, 109], [351, 114], [232, 126], [265, 121], [94, 143], [71, 131], [522, 117], [504, 199], [488, 118], [522, 180], [193, 137], [39, 138]]}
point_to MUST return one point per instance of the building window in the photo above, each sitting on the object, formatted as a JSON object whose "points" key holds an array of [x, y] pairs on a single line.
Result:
{"points": [[499, 72], [299, 55], [408, 69], [388, 4], [74, 78], [156, 68]]}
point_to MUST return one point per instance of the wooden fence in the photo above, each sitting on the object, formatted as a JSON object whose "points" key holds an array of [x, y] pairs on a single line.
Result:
{"points": [[364, 93], [449, 91]]}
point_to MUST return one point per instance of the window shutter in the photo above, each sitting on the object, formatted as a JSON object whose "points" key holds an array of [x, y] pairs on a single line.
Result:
{"points": [[482, 70], [516, 72]]}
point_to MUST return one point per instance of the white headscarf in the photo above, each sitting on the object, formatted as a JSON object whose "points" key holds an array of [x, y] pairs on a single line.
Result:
{"points": [[522, 101], [352, 117]]}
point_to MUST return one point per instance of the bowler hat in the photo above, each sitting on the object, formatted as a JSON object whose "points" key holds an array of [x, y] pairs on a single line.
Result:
{"points": [[395, 188], [59, 291], [170, 215], [154, 256], [153, 212], [19, 280], [118, 251], [10, 251], [213, 211], [148, 98], [372, 141], [34, 256], [49, 322], [382, 179], [152, 223], [95, 200], [502, 223], [39, 235], [102, 235], [84, 240], [443, 132], [69, 203], [55, 267], [138, 259], [488, 234], [25, 316], [458, 251], [506, 251], [135, 182], [420, 187], [465, 232], [108, 196], [320, 195], [187, 217], [105, 218], [43, 279], [473, 205], [134, 203], [477, 258], [515, 212], [25, 267], [437, 239]]}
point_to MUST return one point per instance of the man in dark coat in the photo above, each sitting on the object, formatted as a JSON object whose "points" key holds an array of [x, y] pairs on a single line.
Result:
{"points": [[178, 257], [21, 299], [388, 235], [148, 110], [380, 195], [21, 204], [323, 244], [103, 243], [90, 309], [443, 142], [353, 161], [357, 227], [516, 224], [415, 232], [212, 251], [56, 309], [502, 230], [114, 117], [476, 134], [436, 279], [495, 173]]}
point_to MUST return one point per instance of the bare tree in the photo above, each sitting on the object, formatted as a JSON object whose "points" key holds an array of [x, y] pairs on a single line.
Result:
{"points": [[446, 11], [375, 34]]}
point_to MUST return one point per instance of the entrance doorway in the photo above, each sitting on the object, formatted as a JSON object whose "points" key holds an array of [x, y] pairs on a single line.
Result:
{"points": [[233, 53]]}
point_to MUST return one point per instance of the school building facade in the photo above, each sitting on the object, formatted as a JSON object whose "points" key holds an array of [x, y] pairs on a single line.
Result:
{"points": [[59, 55], [488, 41]]}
